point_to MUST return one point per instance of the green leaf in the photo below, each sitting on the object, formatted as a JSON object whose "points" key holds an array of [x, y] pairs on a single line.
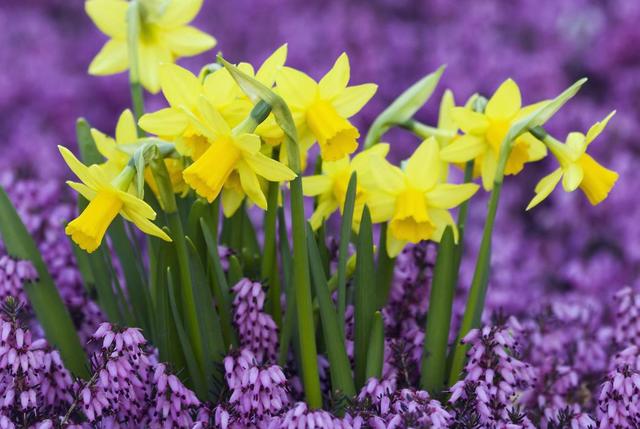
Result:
{"points": [[375, 354], [439, 316], [269, 267], [343, 248], [289, 322], [43, 295], [340, 369], [88, 151], [404, 107], [235, 273], [365, 296], [384, 270]]}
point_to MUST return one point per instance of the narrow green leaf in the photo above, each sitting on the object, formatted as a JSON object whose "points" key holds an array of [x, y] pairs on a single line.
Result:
{"points": [[365, 296], [235, 273], [375, 354], [343, 248], [43, 295], [384, 269], [88, 150], [269, 266], [439, 317], [289, 322], [403, 107], [340, 369]]}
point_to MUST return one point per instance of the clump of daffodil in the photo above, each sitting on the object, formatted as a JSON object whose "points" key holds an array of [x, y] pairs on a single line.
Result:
{"points": [[331, 186], [234, 159], [107, 197], [321, 109], [484, 135], [577, 168], [414, 200], [118, 151], [185, 92], [164, 36]]}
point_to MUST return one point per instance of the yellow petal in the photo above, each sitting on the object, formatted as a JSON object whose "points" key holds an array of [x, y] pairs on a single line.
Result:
{"points": [[325, 209], [126, 131], [381, 204], [79, 169], [315, 185], [268, 71], [165, 122], [598, 180], [188, 41], [423, 167], [447, 195], [88, 193], [179, 12], [463, 149], [215, 123], [231, 201], [136, 205], [536, 150], [336, 80], [220, 88], [110, 16], [445, 120], [145, 225], [394, 246], [505, 102], [269, 168], [111, 59], [469, 121], [573, 175], [179, 86], [298, 89], [150, 58], [489, 167], [105, 144], [251, 185], [389, 178], [545, 186], [441, 219], [249, 143], [598, 127], [352, 99]]}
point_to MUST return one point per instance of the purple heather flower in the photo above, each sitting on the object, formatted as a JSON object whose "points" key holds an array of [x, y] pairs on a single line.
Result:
{"points": [[627, 327], [619, 400], [13, 274]]}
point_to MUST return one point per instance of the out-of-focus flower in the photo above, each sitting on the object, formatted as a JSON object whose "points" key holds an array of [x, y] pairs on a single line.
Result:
{"points": [[414, 200], [331, 186], [321, 109], [164, 36], [107, 198], [577, 168], [484, 135]]}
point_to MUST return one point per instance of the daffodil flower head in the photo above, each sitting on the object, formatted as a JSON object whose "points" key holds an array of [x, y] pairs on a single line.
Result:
{"points": [[484, 134], [414, 200], [229, 152], [107, 198], [164, 36], [321, 109], [331, 186], [577, 168]]}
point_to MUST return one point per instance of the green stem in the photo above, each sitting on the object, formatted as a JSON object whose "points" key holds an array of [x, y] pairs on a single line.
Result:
{"points": [[343, 249], [269, 267], [384, 270], [463, 213], [425, 131], [289, 316], [133, 32], [304, 307]]}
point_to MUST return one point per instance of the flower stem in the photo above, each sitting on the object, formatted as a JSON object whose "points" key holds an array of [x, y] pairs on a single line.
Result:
{"points": [[133, 31], [269, 267]]}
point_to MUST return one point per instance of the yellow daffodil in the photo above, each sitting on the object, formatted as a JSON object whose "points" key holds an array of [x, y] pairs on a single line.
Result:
{"points": [[577, 168], [164, 36], [413, 200], [232, 157], [484, 135], [321, 109], [331, 186], [108, 198], [117, 158], [183, 90]]}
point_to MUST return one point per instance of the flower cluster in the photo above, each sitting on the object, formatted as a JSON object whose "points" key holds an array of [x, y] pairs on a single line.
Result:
{"points": [[13, 274]]}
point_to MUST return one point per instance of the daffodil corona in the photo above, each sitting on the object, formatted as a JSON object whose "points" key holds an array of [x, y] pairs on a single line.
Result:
{"points": [[107, 198], [413, 200], [321, 109], [164, 36], [577, 168]]}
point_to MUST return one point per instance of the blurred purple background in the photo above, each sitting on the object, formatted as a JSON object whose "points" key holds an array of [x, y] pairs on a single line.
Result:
{"points": [[545, 45]]}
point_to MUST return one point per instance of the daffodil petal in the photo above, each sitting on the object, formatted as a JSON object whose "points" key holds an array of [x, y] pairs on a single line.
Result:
{"points": [[268, 71], [381, 204], [188, 41], [249, 143], [445, 120], [423, 167], [598, 180], [316, 185], [145, 225], [394, 246], [179, 12], [126, 131], [231, 201], [179, 86], [545, 186], [572, 177], [82, 189], [298, 89], [79, 169], [269, 168], [389, 178], [219, 88], [135, 204], [165, 122], [597, 128], [352, 99], [489, 167], [441, 219], [336, 80], [112, 58], [469, 121], [505, 102], [576, 145], [105, 144], [323, 211], [214, 120], [463, 149], [447, 195], [150, 58], [251, 185], [110, 16]]}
